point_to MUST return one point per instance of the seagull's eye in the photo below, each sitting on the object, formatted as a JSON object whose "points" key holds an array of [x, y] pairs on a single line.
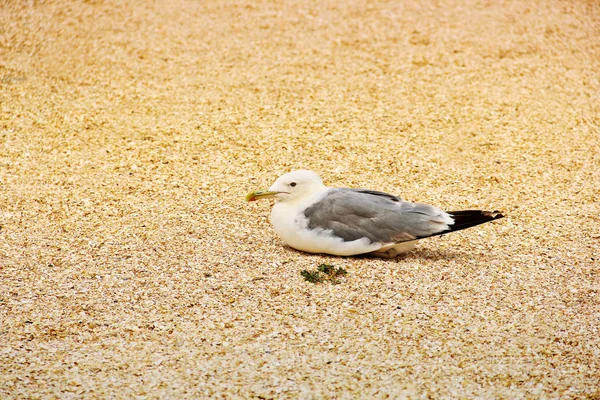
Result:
{"points": [[293, 184]]}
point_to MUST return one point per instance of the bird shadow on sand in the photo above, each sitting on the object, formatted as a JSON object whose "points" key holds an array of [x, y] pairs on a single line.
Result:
{"points": [[419, 254]]}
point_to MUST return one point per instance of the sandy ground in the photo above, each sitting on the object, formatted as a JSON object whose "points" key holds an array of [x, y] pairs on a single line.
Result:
{"points": [[131, 266]]}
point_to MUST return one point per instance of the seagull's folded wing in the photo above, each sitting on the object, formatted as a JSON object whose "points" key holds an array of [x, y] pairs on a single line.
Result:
{"points": [[353, 214]]}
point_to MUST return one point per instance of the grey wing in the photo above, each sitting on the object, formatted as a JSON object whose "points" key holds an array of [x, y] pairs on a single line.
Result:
{"points": [[382, 218]]}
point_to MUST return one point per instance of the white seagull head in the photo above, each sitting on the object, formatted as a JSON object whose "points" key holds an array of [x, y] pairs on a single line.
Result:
{"points": [[291, 187]]}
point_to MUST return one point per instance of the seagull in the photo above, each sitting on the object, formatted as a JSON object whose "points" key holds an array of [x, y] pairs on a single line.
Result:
{"points": [[314, 218]]}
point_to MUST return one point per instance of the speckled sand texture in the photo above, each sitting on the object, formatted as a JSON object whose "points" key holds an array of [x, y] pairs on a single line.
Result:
{"points": [[130, 265]]}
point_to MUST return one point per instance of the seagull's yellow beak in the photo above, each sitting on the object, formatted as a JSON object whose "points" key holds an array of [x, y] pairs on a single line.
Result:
{"points": [[260, 194]]}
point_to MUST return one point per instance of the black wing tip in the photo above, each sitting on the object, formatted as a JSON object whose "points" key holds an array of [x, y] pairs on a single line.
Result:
{"points": [[475, 213], [467, 218]]}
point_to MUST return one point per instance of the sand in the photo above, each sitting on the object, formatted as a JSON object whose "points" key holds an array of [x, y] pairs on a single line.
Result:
{"points": [[131, 266]]}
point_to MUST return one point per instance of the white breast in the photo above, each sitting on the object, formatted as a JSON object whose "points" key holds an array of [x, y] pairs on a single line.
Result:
{"points": [[291, 225]]}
